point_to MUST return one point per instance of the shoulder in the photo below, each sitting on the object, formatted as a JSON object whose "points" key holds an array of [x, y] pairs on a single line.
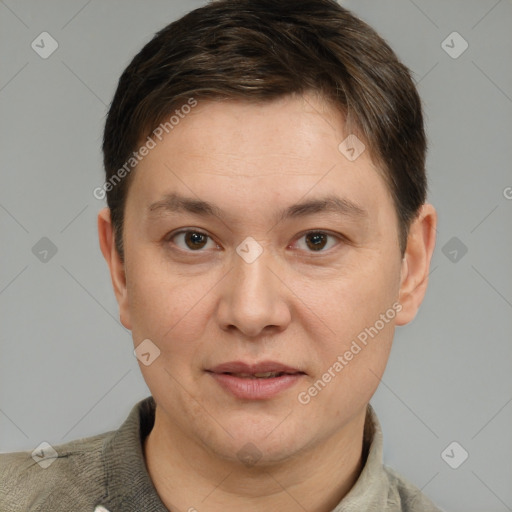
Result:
{"points": [[405, 496], [52, 477]]}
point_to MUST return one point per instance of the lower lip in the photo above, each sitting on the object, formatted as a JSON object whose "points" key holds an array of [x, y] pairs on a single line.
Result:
{"points": [[255, 389]]}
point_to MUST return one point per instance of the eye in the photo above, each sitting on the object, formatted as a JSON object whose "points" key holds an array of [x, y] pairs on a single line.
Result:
{"points": [[316, 241], [191, 240]]}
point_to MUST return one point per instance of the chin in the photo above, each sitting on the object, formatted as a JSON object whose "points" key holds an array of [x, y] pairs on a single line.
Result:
{"points": [[259, 442], [254, 453]]}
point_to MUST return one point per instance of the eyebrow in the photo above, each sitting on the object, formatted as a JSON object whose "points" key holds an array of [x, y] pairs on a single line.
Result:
{"points": [[174, 203]]}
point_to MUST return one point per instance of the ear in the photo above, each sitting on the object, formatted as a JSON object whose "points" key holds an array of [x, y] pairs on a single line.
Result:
{"points": [[416, 263], [117, 269]]}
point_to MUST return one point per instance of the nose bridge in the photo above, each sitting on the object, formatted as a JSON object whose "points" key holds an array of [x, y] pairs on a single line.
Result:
{"points": [[252, 276]]}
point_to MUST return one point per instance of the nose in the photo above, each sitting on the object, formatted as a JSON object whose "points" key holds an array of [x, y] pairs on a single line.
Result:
{"points": [[255, 299]]}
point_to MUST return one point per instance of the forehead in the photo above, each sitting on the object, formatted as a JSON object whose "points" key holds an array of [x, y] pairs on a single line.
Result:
{"points": [[258, 154], [294, 125]]}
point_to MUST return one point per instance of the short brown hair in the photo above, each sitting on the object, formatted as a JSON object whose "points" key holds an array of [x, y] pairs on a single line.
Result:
{"points": [[259, 50]]}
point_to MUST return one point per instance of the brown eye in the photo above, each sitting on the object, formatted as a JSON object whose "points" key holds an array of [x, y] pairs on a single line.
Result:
{"points": [[316, 241], [190, 240], [195, 240]]}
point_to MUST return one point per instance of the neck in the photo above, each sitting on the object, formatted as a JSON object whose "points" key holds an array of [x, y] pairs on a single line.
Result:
{"points": [[188, 477]]}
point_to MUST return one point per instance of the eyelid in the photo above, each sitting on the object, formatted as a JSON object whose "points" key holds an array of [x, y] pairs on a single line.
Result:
{"points": [[173, 234]]}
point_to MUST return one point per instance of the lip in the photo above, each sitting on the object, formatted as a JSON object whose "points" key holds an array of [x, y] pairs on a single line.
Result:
{"points": [[262, 367], [255, 388]]}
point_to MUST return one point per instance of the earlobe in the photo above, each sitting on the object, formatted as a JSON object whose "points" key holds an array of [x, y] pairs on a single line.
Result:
{"points": [[416, 263], [116, 267]]}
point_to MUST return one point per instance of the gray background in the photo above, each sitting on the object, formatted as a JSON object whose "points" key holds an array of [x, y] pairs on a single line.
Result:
{"points": [[67, 368]]}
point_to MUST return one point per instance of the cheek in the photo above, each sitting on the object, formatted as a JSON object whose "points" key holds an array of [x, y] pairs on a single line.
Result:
{"points": [[360, 309], [168, 314], [351, 364], [355, 300], [363, 336], [168, 308], [154, 305]]}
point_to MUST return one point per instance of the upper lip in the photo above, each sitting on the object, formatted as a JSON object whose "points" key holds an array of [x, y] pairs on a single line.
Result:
{"points": [[262, 367]]}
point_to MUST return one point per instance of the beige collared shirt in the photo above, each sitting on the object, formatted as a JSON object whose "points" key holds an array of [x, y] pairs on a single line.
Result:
{"points": [[107, 473]]}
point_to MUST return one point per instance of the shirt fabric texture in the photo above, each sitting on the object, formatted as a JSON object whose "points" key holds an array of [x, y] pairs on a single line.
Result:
{"points": [[107, 473]]}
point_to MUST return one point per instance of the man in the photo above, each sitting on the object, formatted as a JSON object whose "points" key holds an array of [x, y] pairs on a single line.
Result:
{"points": [[266, 231]]}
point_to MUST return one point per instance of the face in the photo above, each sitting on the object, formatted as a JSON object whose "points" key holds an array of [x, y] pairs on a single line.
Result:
{"points": [[293, 267]]}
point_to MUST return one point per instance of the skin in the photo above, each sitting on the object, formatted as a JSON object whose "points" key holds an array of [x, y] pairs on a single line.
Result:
{"points": [[205, 306]]}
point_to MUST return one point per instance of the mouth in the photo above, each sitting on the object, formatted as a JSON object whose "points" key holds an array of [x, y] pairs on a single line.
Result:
{"points": [[255, 381], [260, 375], [262, 370]]}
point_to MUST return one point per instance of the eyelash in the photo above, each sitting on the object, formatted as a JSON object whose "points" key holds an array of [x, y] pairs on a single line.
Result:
{"points": [[171, 236]]}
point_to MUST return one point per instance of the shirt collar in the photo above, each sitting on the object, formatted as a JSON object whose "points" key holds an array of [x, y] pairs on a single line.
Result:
{"points": [[129, 487], [370, 492]]}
